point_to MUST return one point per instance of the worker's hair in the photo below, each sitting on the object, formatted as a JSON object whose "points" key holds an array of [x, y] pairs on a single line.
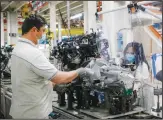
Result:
{"points": [[33, 21]]}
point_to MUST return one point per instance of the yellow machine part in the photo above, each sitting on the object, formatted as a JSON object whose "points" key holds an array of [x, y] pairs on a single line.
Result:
{"points": [[74, 31], [25, 11]]}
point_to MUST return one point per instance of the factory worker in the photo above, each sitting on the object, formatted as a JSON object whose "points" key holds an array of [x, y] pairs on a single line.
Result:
{"points": [[33, 76], [134, 59]]}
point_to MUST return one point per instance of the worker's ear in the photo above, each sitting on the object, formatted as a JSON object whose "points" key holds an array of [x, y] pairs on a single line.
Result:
{"points": [[34, 29]]}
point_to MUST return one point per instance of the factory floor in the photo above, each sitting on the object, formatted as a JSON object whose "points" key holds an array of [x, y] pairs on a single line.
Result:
{"points": [[156, 83]]}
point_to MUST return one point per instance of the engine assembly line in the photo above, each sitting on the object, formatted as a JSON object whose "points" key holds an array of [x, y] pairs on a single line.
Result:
{"points": [[110, 96], [107, 72], [113, 93]]}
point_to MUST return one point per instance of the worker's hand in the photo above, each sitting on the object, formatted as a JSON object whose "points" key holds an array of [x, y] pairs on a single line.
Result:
{"points": [[85, 72], [61, 88]]}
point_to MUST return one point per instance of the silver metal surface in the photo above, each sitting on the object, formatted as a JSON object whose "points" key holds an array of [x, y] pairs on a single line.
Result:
{"points": [[96, 112], [6, 100], [7, 107], [138, 110], [2, 102], [74, 112], [154, 113], [5, 82], [101, 114]]}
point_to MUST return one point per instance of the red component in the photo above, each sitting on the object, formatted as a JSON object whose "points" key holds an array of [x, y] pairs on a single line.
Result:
{"points": [[20, 23], [30, 5], [5, 20], [99, 6]]}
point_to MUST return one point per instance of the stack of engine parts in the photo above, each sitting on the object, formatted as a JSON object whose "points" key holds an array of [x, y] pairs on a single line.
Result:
{"points": [[5, 63], [112, 91], [6, 92], [114, 87], [73, 53], [112, 95]]}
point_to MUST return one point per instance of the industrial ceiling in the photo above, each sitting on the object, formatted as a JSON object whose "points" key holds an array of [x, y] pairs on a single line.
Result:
{"points": [[76, 7]]}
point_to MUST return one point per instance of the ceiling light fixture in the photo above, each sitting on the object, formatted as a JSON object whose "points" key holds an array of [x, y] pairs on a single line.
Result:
{"points": [[76, 16]]}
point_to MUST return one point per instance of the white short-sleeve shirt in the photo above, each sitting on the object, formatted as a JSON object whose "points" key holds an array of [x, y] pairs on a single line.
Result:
{"points": [[31, 73]]}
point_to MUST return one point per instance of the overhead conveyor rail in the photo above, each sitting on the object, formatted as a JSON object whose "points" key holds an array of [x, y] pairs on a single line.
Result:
{"points": [[140, 6], [150, 8], [124, 7]]}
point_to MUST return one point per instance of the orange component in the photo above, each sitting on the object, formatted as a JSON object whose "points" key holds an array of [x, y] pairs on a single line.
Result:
{"points": [[99, 6], [133, 10], [100, 3], [156, 11], [155, 32]]}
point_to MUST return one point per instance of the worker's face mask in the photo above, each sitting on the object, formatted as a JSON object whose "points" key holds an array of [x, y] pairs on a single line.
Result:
{"points": [[130, 57], [43, 37], [41, 33]]}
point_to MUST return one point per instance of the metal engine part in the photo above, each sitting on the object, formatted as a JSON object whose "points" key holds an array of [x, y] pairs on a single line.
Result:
{"points": [[111, 89]]}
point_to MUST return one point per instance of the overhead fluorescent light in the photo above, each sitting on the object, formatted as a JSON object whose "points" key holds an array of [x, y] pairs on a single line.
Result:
{"points": [[66, 5], [76, 16], [71, 9], [45, 15]]}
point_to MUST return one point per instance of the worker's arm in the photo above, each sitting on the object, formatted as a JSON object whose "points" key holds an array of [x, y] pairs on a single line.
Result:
{"points": [[64, 77], [42, 67]]}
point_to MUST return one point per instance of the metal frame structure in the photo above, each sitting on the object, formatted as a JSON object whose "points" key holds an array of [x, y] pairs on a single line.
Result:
{"points": [[139, 4], [144, 9], [123, 7], [7, 6]]}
